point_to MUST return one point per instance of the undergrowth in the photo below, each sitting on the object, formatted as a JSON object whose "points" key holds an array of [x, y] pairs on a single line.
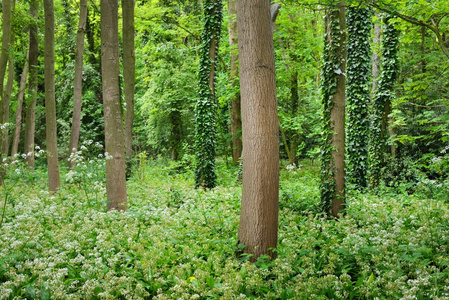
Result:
{"points": [[177, 242]]}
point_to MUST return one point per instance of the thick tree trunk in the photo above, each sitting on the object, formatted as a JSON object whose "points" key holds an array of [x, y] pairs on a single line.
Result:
{"points": [[260, 191], [50, 102], [236, 117], [78, 82], [114, 137], [129, 70], [30, 123], [18, 122]]}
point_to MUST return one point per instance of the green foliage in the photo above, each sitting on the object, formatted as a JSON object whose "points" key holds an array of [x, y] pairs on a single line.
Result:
{"points": [[206, 106], [382, 101], [329, 80], [358, 95], [176, 242]]}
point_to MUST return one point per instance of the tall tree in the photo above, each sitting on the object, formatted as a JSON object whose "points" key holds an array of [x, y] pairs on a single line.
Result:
{"points": [[382, 101], [129, 70], [260, 190], [114, 137], [236, 117], [205, 110], [30, 123], [358, 95], [333, 97], [7, 7], [78, 81], [7, 99], [50, 102]]}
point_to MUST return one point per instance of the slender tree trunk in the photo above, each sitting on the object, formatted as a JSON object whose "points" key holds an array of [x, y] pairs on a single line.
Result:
{"points": [[236, 117], [7, 100], [114, 137], [18, 122], [176, 129], [78, 83], [376, 57], [260, 191], [7, 6], [333, 164], [30, 123], [129, 70], [50, 102]]}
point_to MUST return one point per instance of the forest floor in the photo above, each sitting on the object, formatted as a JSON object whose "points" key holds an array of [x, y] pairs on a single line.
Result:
{"points": [[177, 242]]}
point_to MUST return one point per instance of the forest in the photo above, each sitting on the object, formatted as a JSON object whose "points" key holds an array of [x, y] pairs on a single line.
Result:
{"points": [[211, 149]]}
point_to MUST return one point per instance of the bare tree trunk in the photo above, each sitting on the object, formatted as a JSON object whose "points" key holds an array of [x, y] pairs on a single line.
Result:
{"points": [[129, 70], [236, 117], [260, 192], [30, 123], [18, 123], [7, 100], [50, 102], [78, 82], [114, 137], [7, 6]]}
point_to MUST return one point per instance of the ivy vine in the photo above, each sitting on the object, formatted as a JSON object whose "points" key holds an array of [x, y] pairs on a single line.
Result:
{"points": [[206, 107], [330, 69], [382, 100], [358, 95]]}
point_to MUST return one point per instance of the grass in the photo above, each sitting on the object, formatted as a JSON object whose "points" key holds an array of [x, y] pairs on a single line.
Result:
{"points": [[177, 242]]}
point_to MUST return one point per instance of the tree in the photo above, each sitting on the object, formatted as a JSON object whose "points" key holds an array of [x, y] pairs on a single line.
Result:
{"points": [[50, 102], [114, 138], [236, 117], [129, 70], [358, 95], [7, 7], [78, 82], [30, 123], [205, 110], [18, 119], [382, 101], [333, 97], [260, 190]]}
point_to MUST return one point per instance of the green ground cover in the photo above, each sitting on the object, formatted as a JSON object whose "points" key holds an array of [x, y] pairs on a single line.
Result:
{"points": [[177, 242]]}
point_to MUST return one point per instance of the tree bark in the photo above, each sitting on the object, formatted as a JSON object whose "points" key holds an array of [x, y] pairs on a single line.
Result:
{"points": [[114, 137], [32, 85], [7, 7], [78, 83], [333, 165], [260, 191], [18, 122], [129, 70], [376, 58], [236, 117], [7, 100], [50, 102]]}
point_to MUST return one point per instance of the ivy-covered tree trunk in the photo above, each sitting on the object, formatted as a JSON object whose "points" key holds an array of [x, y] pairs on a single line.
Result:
{"points": [[382, 101], [114, 137], [333, 97], [50, 102], [260, 190], [206, 107], [375, 62], [358, 95], [78, 82], [236, 117], [7, 99], [30, 123]]}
